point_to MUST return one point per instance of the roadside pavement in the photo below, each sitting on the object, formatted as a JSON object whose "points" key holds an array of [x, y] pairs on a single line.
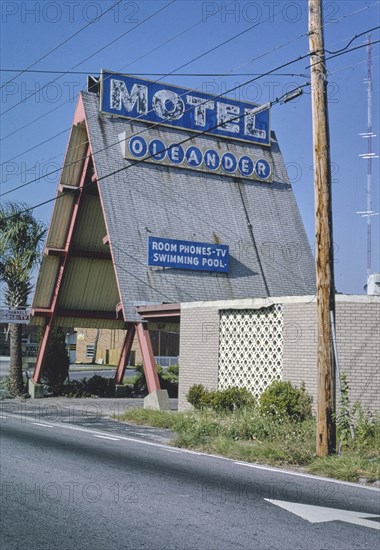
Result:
{"points": [[100, 407]]}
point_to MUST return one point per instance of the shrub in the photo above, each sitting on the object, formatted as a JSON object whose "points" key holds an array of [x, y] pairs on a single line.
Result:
{"points": [[356, 428], [102, 387], [282, 399], [76, 388], [57, 362], [172, 374], [196, 396], [96, 385], [167, 382], [229, 399], [5, 387]]}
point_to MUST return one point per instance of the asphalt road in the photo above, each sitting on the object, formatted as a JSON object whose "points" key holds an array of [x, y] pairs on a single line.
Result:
{"points": [[106, 373], [94, 483]]}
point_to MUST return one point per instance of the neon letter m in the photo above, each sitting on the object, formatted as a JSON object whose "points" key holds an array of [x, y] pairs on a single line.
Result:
{"points": [[137, 98]]}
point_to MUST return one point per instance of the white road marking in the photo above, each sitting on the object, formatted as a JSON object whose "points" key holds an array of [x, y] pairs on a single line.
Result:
{"points": [[107, 437], [301, 474], [41, 424], [3, 417], [320, 514], [188, 451]]}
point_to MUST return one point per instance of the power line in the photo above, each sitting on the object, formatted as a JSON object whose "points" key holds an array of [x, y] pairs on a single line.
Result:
{"points": [[352, 40], [158, 124], [205, 53], [185, 140], [345, 52], [166, 42], [92, 55], [350, 66], [134, 61], [303, 35], [97, 73], [353, 49], [22, 71], [162, 76]]}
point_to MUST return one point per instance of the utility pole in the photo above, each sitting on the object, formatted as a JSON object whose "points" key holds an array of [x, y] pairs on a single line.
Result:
{"points": [[326, 433]]}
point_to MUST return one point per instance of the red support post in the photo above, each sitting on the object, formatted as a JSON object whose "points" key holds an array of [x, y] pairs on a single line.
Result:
{"points": [[42, 350], [149, 365], [125, 354], [41, 356]]}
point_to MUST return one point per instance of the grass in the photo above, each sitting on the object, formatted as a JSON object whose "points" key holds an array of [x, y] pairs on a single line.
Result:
{"points": [[145, 417], [131, 380], [247, 436], [348, 467]]}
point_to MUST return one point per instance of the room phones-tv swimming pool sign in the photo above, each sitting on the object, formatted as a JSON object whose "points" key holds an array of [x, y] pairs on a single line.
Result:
{"points": [[197, 256], [165, 104]]}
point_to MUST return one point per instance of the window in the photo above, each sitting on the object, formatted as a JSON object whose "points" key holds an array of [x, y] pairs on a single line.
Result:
{"points": [[90, 348]]}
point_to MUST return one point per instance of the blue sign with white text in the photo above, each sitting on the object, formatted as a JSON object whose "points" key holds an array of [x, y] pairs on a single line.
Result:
{"points": [[155, 102], [188, 255], [196, 159]]}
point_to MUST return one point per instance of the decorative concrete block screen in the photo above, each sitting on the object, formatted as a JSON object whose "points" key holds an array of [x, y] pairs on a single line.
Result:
{"points": [[250, 348]]}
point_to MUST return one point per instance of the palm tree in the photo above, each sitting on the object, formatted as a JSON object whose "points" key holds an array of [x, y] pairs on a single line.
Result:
{"points": [[21, 237]]}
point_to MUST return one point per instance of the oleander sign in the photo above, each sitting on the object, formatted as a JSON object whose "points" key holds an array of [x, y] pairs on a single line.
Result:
{"points": [[193, 255], [213, 160], [165, 104]]}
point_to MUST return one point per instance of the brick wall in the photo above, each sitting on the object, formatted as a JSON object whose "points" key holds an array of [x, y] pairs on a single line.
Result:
{"points": [[300, 345], [111, 340], [358, 339], [358, 342], [198, 353]]}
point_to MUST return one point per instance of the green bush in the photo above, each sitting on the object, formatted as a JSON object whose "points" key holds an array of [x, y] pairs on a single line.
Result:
{"points": [[229, 399], [196, 396], [172, 374], [57, 363], [167, 381], [5, 387], [282, 399], [96, 385], [102, 387], [76, 388]]}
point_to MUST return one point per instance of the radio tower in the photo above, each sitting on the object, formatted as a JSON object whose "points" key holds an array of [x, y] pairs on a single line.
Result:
{"points": [[369, 156]]}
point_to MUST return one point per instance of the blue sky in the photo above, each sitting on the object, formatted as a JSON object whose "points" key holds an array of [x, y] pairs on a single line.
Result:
{"points": [[275, 34]]}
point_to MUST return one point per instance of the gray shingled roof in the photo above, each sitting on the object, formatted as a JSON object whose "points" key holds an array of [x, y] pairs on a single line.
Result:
{"points": [[270, 256]]}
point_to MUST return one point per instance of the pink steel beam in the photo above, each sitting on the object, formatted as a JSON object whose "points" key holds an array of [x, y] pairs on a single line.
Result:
{"points": [[42, 350], [150, 370], [125, 354]]}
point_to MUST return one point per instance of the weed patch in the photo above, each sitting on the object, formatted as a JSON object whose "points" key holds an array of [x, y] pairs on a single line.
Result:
{"points": [[247, 435]]}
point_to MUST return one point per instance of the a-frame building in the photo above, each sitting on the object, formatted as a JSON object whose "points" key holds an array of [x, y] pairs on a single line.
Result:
{"points": [[94, 271]]}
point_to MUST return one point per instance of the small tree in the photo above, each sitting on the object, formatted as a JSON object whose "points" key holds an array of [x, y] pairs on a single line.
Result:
{"points": [[57, 362], [21, 237]]}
